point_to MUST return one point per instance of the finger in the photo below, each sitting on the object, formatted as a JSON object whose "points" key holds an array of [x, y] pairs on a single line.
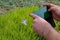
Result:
{"points": [[52, 9], [34, 16], [56, 17], [49, 5]]}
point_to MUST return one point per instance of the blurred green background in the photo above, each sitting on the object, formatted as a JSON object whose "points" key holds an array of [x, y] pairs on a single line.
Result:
{"points": [[12, 12], [9, 4]]}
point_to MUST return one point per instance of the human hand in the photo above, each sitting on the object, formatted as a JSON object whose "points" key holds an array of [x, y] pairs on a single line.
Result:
{"points": [[55, 10], [40, 26]]}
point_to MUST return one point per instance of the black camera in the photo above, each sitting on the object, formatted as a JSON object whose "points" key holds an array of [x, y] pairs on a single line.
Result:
{"points": [[45, 14]]}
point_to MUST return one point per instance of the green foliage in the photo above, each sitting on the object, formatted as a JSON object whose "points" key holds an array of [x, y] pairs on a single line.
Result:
{"points": [[11, 27], [9, 4]]}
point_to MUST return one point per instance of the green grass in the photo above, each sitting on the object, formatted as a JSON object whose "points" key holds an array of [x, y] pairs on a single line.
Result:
{"points": [[11, 27]]}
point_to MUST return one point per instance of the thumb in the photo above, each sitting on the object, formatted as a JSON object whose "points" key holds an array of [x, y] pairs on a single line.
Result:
{"points": [[49, 5], [34, 16]]}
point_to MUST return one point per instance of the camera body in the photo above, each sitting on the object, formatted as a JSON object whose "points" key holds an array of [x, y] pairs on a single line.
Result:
{"points": [[45, 14]]}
